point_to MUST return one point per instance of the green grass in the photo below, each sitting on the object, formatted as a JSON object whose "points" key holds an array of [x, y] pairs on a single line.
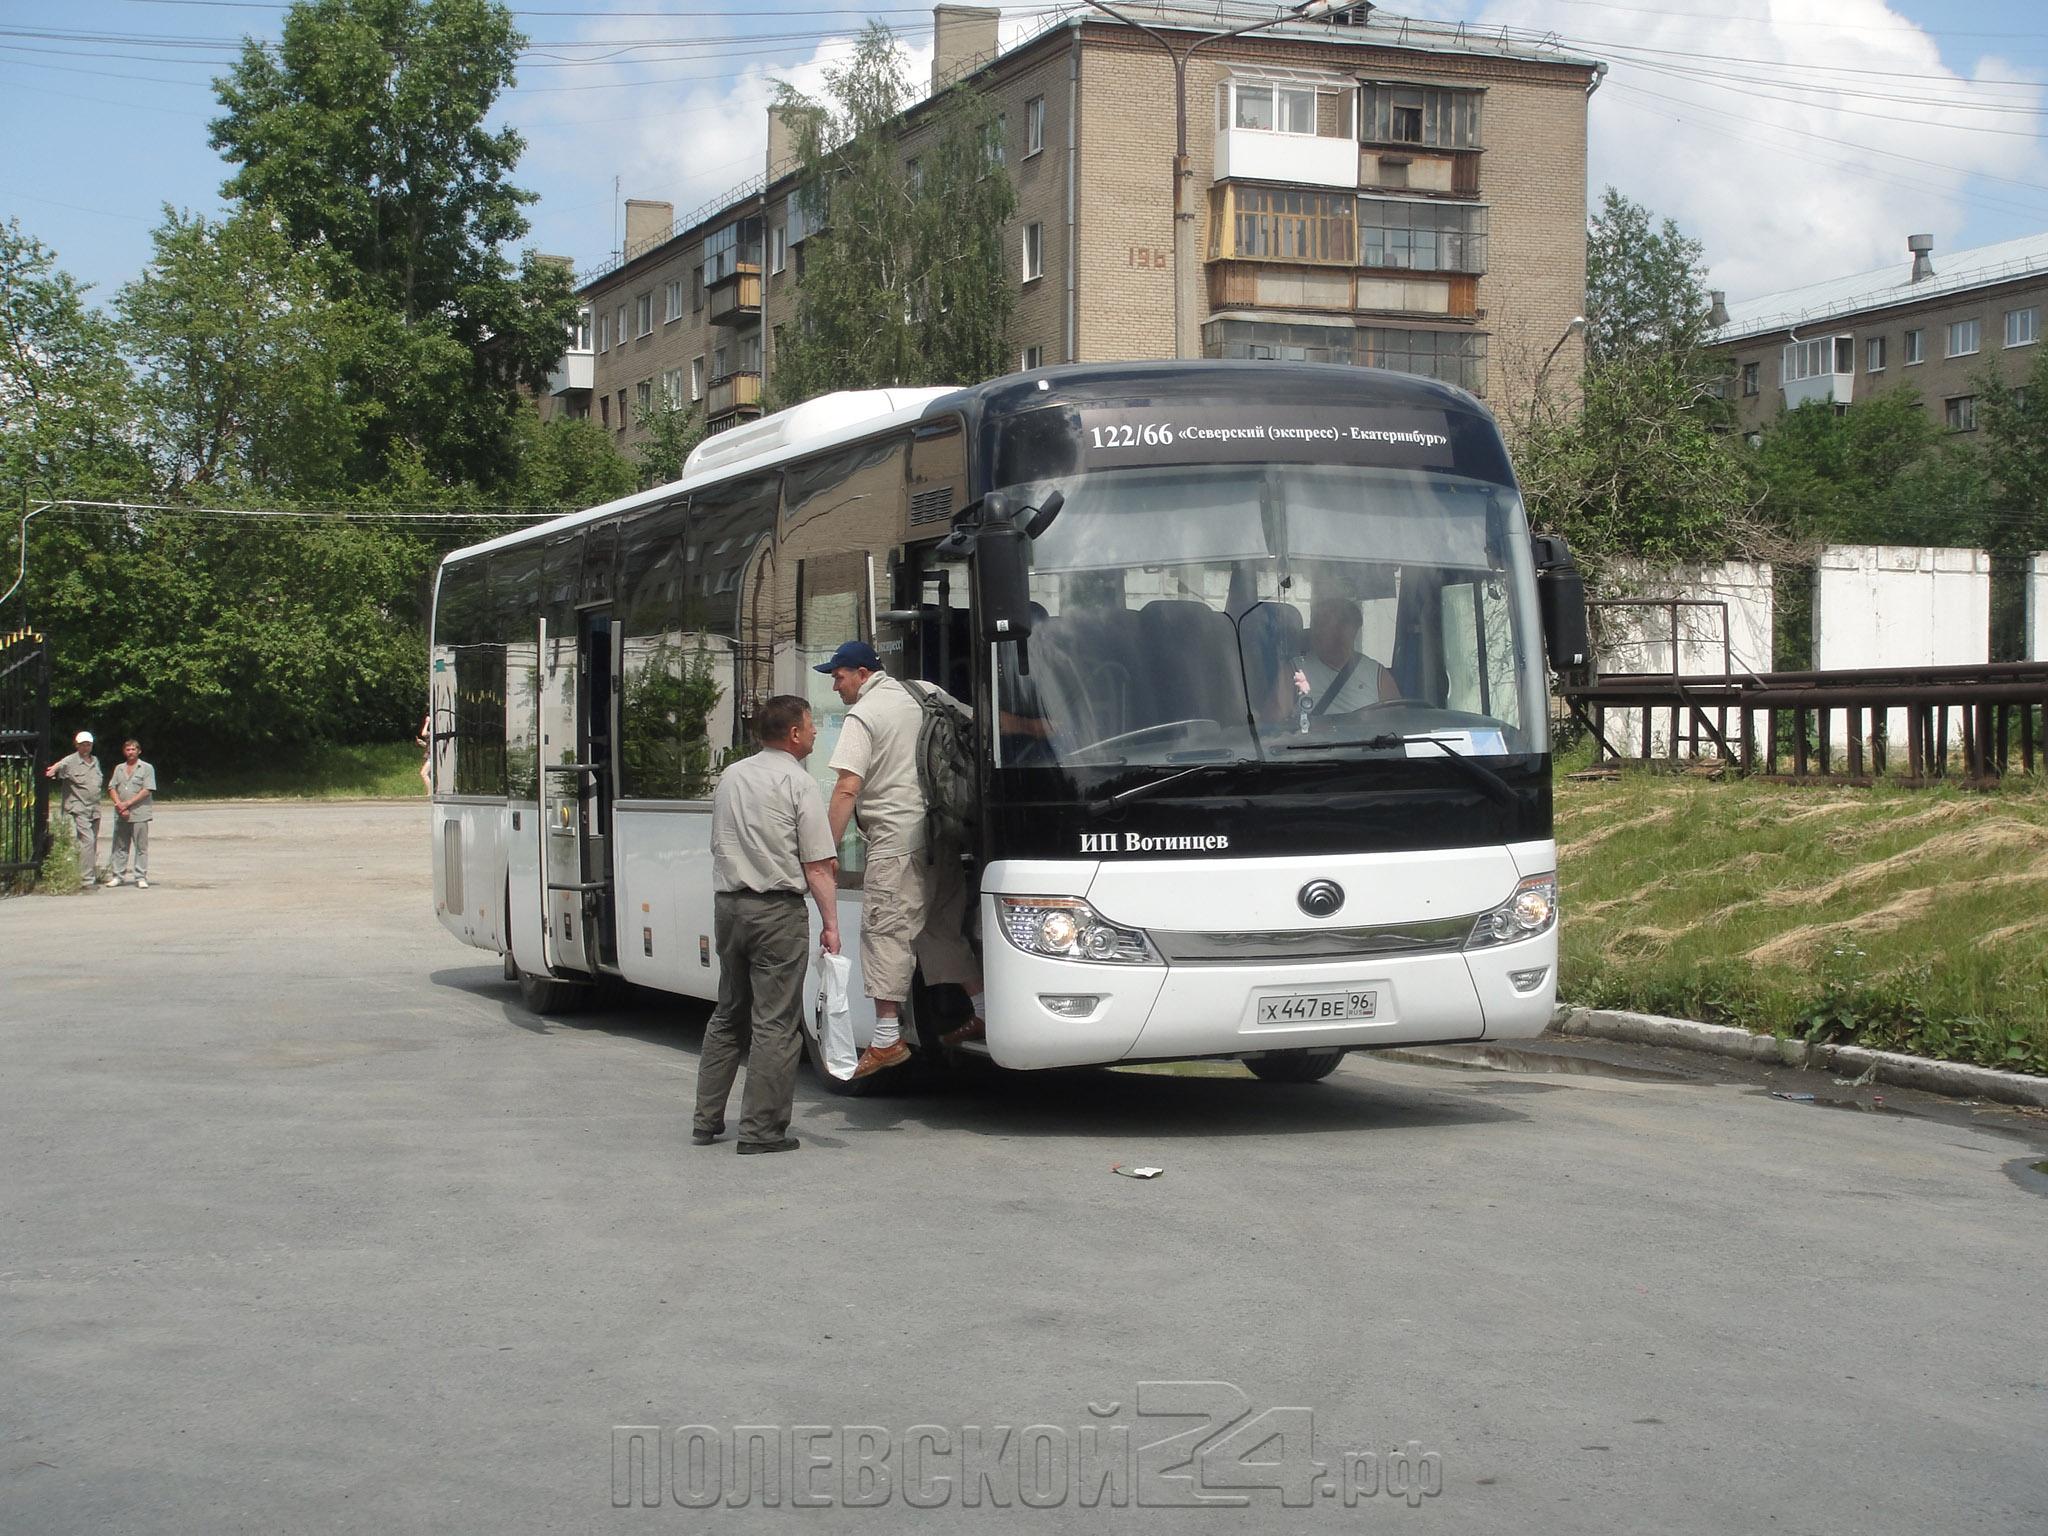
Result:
{"points": [[383, 770], [1905, 919]]}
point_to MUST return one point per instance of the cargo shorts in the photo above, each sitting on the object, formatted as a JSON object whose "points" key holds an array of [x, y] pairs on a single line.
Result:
{"points": [[911, 915]]}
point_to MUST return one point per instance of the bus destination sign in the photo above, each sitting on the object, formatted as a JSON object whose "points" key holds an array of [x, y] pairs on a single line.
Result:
{"points": [[1292, 434]]}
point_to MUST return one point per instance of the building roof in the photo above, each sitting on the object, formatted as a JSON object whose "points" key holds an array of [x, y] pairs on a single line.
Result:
{"points": [[1839, 297]]}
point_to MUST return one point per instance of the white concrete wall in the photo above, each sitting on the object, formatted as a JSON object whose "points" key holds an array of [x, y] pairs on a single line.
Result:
{"points": [[1639, 639], [1895, 605], [2037, 608]]}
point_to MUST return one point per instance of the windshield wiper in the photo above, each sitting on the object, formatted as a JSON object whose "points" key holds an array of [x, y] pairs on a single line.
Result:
{"points": [[1139, 791], [1496, 788]]}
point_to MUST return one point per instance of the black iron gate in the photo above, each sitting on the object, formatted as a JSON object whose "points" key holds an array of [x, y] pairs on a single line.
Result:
{"points": [[24, 750]]}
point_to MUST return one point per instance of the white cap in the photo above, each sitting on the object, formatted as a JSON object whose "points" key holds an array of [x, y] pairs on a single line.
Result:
{"points": [[84, 736]]}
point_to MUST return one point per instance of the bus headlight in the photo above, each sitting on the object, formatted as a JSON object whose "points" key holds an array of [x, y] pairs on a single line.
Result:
{"points": [[1067, 928], [1530, 911]]}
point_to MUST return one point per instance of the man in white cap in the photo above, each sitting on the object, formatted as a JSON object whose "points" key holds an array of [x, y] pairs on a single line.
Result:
{"points": [[83, 779]]}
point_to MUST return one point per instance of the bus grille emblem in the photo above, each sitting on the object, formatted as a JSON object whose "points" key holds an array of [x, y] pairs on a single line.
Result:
{"points": [[1320, 898]]}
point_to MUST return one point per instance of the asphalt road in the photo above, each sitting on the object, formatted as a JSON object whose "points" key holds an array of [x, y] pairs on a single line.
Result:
{"points": [[306, 1225]]}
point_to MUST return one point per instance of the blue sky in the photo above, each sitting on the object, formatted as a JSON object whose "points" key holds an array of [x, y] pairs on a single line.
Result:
{"points": [[1878, 120]]}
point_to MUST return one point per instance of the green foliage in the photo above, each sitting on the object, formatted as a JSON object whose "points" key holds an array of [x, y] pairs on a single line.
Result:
{"points": [[1645, 284], [665, 713], [363, 134], [63, 385], [907, 285], [673, 429], [241, 356], [566, 463], [2013, 422], [378, 770]]}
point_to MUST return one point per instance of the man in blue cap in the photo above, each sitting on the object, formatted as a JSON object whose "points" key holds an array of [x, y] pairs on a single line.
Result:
{"points": [[912, 906]]}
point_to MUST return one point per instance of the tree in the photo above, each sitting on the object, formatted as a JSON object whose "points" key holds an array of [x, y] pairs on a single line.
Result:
{"points": [[241, 356], [63, 384], [363, 135], [1645, 284], [907, 284]]}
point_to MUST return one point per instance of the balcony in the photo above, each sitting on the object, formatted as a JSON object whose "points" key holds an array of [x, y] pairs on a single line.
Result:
{"points": [[736, 297], [1287, 125], [576, 371], [1821, 369], [732, 393]]}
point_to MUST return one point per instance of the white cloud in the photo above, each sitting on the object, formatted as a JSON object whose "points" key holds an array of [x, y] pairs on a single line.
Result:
{"points": [[1723, 122]]}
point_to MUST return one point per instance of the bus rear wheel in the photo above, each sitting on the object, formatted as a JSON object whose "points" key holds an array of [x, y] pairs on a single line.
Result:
{"points": [[1294, 1066]]}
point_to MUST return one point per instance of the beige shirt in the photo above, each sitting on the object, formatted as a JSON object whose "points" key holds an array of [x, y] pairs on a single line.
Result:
{"points": [[879, 742], [82, 783], [1361, 688], [767, 822], [127, 783]]}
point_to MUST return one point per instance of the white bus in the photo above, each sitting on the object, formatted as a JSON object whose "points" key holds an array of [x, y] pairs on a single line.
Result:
{"points": [[1256, 654]]}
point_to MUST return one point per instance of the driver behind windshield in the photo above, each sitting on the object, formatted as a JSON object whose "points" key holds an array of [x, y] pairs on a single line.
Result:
{"points": [[1340, 677]]}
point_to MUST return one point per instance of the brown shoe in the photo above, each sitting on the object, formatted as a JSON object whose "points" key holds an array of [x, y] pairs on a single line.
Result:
{"points": [[873, 1061], [973, 1029]]}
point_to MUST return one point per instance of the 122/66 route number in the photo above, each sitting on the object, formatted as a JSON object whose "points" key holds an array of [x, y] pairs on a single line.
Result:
{"points": [[1151, 435]]}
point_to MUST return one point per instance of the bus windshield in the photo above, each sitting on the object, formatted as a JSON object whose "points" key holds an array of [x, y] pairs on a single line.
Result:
{"points": [[1274, 612]]}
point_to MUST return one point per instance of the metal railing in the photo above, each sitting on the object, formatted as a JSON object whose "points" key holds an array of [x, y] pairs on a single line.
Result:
{"points": [[24, 750]]}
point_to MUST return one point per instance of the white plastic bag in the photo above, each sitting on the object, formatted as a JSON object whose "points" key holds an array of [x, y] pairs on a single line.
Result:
{"points": [[836, 1033]]}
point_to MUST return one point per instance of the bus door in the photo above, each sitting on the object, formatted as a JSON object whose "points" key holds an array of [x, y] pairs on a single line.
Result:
{"points": [[577, 865]]}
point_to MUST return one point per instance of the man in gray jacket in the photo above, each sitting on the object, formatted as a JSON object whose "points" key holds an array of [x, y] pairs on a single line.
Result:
{"points": [[83, 778], [132, 788]]}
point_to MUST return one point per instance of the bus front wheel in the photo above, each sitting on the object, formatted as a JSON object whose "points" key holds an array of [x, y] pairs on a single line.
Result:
{"points": [[548, 995], [1294, 1066]]}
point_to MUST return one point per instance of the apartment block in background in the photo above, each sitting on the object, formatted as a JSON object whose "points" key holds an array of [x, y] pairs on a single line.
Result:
{"points": [[1933, 322], [1384, 193]]}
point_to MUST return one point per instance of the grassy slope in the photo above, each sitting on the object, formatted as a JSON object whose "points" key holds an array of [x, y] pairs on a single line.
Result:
{"points": [[385, 770], [1909, 919]]}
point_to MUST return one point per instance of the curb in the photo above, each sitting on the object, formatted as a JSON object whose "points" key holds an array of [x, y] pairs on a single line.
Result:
{"points": [[1946, 1077]]}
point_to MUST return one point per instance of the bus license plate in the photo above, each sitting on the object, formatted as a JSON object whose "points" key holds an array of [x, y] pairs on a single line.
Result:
{"points": [[1319, 1007]]}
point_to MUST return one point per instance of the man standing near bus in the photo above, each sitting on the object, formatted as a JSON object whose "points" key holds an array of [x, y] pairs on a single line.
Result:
{"points": [[82, 778], [769, 842], [912, 905], [132, 788]]}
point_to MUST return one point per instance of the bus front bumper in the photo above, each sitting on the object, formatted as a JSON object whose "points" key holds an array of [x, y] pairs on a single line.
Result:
{"points": [[1061, 1013]]}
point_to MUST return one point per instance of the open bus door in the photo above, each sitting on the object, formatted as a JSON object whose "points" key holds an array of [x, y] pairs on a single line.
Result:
{"points": [[579, 924]]}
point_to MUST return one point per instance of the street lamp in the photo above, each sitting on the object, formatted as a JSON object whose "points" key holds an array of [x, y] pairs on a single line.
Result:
{"points": [[1572, 327], [1183, 219]]}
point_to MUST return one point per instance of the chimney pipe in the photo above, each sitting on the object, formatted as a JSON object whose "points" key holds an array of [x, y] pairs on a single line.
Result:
{"points": [[1717, 312], [961, 35], [1923, 261]]}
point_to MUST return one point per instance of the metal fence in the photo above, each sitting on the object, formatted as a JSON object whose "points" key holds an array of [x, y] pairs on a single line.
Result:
{"points": [[24, 750]]}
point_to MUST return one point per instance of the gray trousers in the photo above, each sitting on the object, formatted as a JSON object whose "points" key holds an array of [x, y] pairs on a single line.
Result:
{"points": [[762, 946], [85, 828], [130, 835]]}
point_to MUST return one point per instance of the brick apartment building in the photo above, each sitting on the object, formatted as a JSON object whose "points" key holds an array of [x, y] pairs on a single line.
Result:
{"points": [[1363, 190], [1934, 322]]}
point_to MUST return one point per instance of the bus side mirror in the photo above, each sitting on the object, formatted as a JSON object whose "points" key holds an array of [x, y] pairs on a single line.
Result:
{"points": [[1002, 580], [1561, 596]]}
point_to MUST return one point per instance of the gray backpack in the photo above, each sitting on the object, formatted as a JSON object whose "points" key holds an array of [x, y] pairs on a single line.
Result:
{"points": [[946, 771]]}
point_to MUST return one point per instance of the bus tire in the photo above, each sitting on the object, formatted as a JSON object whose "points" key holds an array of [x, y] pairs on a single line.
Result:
{"points": [[1294, 1066], [549, 995]]}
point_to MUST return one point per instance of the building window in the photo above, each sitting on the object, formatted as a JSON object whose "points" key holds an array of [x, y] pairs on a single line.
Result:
{"points": [[1873, 355], [1456, 357], [1915, 348], [718, 369], [672, 301], [643, 315], [672, 388], [736, 245], [993, 136], [1964, 337], [1813, 359], [696, 289], [1275, 108], [604, 411], [1034, 126], [1418, 114], [1422, 237], [749, 353], [579, 332], [619, 325], [1269, 224], [643, 396], [604, 333], [1034, 252], [778, 248], [622, 410], [696, 378], [913, 175], [1749, 380], [1962, 413], [2022, 327], [1034, 357]]}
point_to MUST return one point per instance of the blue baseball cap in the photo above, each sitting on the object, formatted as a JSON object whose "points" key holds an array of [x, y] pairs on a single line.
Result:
{"points": [[855, 653]]}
